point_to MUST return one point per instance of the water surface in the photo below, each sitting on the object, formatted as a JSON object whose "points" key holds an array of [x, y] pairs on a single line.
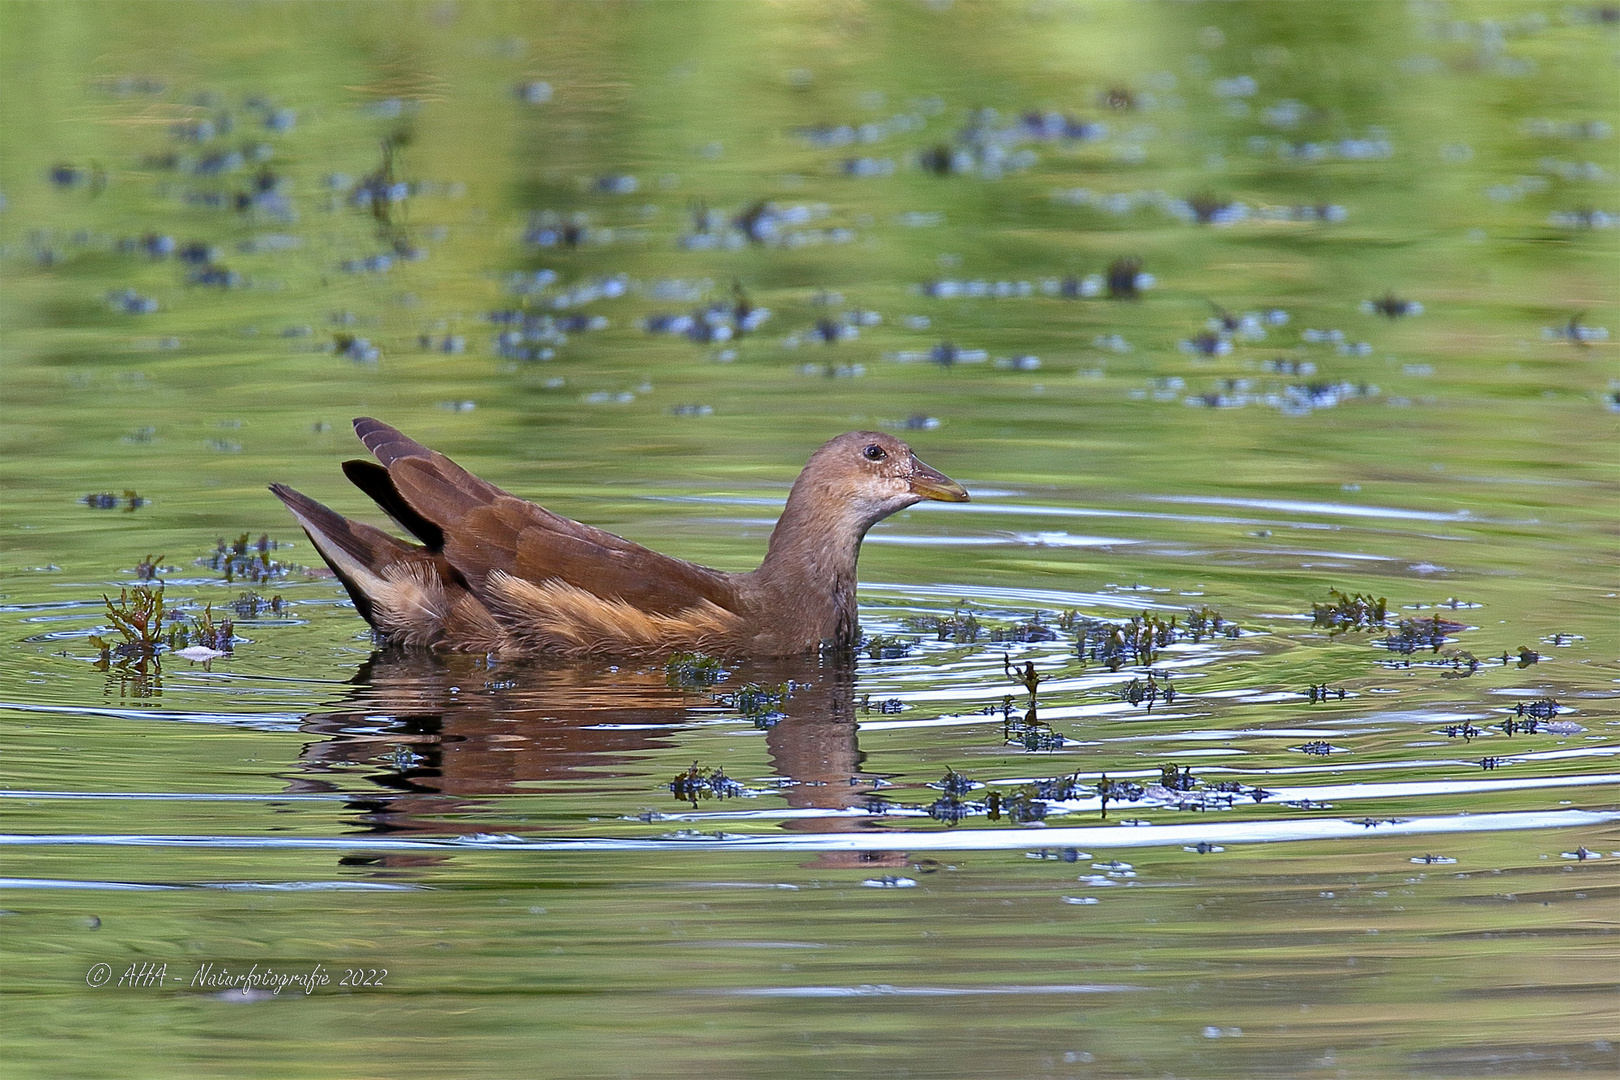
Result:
{"points": [[1363, 345]]}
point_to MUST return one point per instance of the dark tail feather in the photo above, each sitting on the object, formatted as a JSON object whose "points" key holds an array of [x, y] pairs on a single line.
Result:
{"points": [[388, 443], [355, 551], [374, 480]]}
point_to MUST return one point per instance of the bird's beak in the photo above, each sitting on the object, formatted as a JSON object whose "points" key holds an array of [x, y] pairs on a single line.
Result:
{"points": [[930, 483]]}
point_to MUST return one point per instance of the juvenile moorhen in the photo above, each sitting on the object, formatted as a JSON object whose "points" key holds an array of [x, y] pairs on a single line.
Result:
{"points": [[497, 574]]}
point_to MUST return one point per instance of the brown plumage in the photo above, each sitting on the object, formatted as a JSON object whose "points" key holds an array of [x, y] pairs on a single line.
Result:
{"points": [[494, 573]]}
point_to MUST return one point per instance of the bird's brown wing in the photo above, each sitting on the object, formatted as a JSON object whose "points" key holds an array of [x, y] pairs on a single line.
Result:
{"points": [[481, 529]]}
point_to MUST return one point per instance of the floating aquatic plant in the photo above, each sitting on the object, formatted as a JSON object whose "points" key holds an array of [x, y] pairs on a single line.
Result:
{"points": [[693, 670], [202, 631], [886, 647], [759, 703], [695, 784], [245, 558], [1323, 692], [250, 605], [137, 615], [959, 626], [1344, 612], [129, 502], [1413, 635], [1149, 690], [1117, 644]]}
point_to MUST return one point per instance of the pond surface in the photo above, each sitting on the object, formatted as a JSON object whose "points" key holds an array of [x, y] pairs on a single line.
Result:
{"points": [[1215, 309]]}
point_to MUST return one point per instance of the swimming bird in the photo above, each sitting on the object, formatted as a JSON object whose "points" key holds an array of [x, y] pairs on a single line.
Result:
{"points": [[494, 573]]}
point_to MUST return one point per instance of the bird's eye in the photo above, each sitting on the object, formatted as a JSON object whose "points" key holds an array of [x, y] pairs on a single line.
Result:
{"points": [[875, 453]]}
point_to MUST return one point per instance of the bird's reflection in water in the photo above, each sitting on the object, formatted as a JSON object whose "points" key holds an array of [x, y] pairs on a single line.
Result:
{"points": [[441, 735]]}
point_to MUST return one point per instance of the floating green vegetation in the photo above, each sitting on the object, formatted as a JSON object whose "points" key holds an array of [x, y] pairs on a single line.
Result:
{"points": [[1026, 730], [250, 605], [1344, 613], [954, 783], [1149, 691], [887, 647], [959, 626], [695, 784], [1463, 664], [1117, 791], [1206, 622], [1027, 675], [202, 630], [759, 703], [1032, 734], [1176, 778], [950, 807], [1029, 801], [1031, 629], [246, 559], [1117, 644], [137, 615], [1414, 635], [1019, 806], [693, 670]]}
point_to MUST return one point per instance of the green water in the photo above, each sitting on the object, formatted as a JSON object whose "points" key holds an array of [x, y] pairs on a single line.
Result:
{"points": [[504, 842]]}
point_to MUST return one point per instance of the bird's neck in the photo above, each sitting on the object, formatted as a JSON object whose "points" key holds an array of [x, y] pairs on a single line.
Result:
{"points": [[809, 568]]}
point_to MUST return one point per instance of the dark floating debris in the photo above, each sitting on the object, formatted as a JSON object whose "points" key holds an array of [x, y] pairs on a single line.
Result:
{"points": [[1149, 690], [1413, 635], [1126, 280], [129, 501], [1177, 779], [1541, 709], [1463, 664], [1391, 306], [1020, 806], [1207, 343], [1318, 748], [130, 302], [695, 784], [1210, 209], [1117, 791], [1323, 692], [759, 703], [355, 348], [886, 707], [1576, 332], [250, 605]]}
